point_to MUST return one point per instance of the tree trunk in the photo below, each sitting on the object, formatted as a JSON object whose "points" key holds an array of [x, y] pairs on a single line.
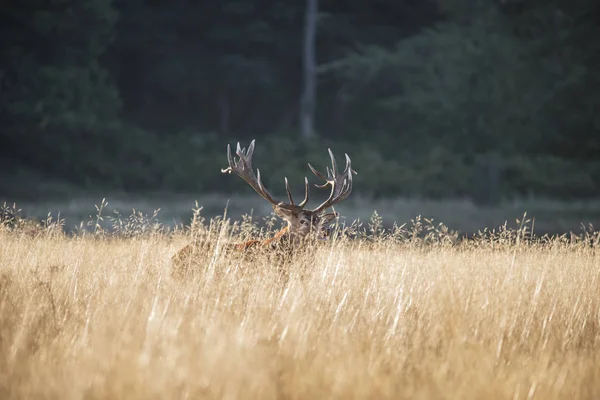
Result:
{"points": [[307, 108]]}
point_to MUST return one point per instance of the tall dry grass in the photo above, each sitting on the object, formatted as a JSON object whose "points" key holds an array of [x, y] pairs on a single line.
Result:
{"points": [[409, 314]]}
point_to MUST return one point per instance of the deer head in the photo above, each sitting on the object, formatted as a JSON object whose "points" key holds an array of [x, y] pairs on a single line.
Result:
{"points": [[301, 222]]}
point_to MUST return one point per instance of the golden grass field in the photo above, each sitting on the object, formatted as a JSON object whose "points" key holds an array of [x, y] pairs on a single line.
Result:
{"points": [[394, 316]]}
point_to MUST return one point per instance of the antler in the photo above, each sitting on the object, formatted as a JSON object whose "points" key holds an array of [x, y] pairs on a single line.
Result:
{"points": [[243, 168], [341, 184]]}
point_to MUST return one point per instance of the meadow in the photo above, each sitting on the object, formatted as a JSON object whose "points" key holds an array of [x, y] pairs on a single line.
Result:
{"points": [[413, 312]]}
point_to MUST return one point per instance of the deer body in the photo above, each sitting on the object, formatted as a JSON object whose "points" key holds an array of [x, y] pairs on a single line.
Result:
{"points": [[302, 223], [278, 238]]}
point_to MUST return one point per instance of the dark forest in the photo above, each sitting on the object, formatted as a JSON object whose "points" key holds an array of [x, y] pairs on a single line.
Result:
{"points": [[482, 99]]}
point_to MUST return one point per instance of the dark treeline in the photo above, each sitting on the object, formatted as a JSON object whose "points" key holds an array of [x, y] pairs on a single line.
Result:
{"points": [[482, 98]]}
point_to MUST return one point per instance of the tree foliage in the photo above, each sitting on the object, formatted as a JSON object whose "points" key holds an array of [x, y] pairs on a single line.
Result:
{"points": [[471, 84], [145, 94], [56, 93]]}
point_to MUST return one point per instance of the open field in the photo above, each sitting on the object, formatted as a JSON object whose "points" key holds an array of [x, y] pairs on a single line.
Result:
{"points": [[101, 317]]}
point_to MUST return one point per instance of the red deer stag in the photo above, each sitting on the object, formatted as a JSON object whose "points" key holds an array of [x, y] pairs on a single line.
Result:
{"points": [[301, 223]]}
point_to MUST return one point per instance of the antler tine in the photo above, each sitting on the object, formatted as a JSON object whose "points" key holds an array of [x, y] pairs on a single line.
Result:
{"points": [[341, 184], [243, 168], [289, 193], [319, 175], [334, 170], [306, 192]]}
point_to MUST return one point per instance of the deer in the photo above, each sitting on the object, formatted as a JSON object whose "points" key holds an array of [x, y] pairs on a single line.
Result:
{"points": [[302, 224]]}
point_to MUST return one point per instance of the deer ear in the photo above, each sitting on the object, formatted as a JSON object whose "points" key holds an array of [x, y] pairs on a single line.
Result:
{"points": [[283, 213], [327, 218]]}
